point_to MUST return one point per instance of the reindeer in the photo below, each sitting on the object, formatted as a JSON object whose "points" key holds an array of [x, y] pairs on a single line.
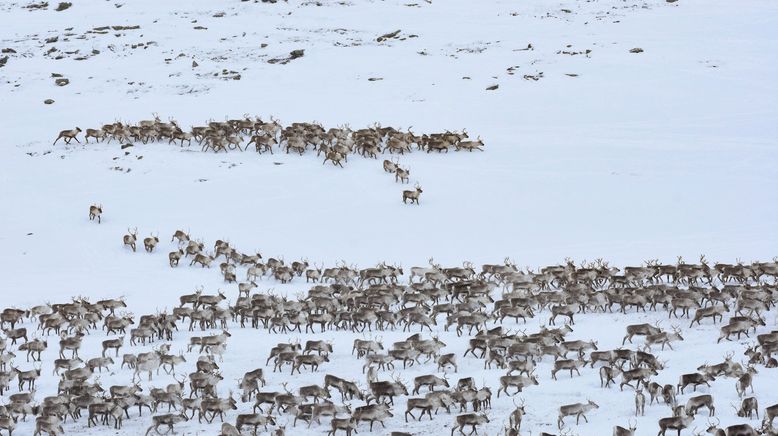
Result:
{"points": [[347, 389], [470, 145], [578, 410], [28, 377], [664, 338], [471, 419], [372, 413], [732, 430], [710, 312], [131, 237], [695, 379], [183, 237], [640, 403], [14, 334], [174, 257], [168, 419], [95, 211], [621, 431], [313, 361], [70, 343], [389, 166], [151, 242], [431, 381], [748, 407], [203, 260], [413, 196], [68, 135], [695, 403], [49, 425], [401, 175], [770, 413], [566, 364], [388, 389], [146, 362], [640, 330], [214, 340], [674, 423], [516, 381], [35, 346], [335, 157], [745, 381]]}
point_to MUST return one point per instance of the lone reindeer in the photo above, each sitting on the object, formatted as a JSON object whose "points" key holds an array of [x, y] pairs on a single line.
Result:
{"points": [[412, 195], [95, 211], [68, 135]]}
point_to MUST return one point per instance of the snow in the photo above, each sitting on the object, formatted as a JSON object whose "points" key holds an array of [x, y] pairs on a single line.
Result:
{"points": [[670, 152]]}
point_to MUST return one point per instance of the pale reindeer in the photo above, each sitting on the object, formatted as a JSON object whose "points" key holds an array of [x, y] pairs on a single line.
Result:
{"points": [[98, 134], [578, 410], [470, 145], [68, 135], [412, 195], [131, 237]]}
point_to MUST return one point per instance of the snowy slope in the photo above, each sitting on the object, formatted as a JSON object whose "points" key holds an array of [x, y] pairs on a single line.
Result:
{"points": [[652, 155]]}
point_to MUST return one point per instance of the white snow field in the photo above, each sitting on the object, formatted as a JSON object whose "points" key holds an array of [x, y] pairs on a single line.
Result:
{"points": [[609, 154]]}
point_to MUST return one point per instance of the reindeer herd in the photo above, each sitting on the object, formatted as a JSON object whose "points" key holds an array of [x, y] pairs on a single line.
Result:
{"points": [[487, 308], [334, 144]]}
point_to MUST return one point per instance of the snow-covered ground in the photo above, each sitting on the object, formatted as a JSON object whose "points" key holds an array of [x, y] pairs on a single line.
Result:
{"points": [[612, 154]]}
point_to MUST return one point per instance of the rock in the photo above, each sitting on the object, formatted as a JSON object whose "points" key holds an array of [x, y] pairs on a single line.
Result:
{"points": [[492, 88], [61, 82], [3, 61], [9, 50], [373, 79], [48, 101], [194, 64], [63, 5], [56, 75], [636, 50], [294, 54]]}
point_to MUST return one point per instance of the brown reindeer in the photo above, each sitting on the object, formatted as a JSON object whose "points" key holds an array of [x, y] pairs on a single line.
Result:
{"points": [[150, 243], [68, 135], [401, 175], [131, 237], [95, 211], [412, 195], [335, 157]]}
